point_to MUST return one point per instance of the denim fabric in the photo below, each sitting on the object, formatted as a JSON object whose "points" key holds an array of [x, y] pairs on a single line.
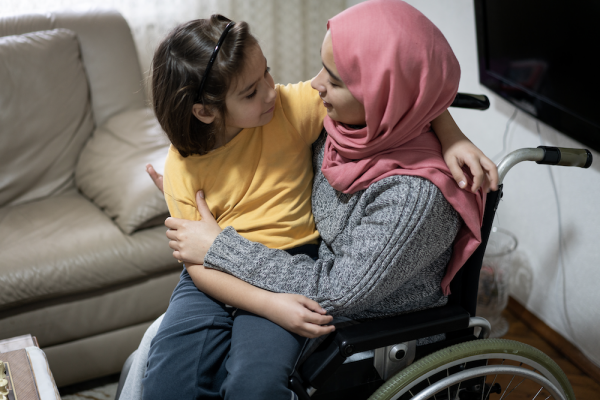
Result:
{"points": [[206, 350]]}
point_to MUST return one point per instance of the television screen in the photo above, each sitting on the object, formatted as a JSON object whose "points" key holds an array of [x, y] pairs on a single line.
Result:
{"points": [[539, 55]]}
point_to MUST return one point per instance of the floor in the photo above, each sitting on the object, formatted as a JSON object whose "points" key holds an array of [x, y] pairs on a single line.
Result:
{"points": [[105, 392], [104, 388], [585, 388]]}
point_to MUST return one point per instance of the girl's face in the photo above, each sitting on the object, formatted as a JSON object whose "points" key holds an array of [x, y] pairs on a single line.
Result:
{"points": [[251, 98], [340, 103]]}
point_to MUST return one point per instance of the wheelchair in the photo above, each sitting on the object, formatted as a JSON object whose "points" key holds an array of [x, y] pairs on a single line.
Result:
{"points": [[388, 358]]}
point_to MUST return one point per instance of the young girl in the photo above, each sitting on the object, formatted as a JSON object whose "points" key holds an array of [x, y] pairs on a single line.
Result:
{"points": [[258, 166]]}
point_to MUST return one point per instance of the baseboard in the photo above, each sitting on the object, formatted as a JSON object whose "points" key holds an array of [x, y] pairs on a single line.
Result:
{"points": [[555, 339]]}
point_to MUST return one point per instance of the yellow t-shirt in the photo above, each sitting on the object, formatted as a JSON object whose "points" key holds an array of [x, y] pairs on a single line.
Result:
{"points": [[260, 182]]}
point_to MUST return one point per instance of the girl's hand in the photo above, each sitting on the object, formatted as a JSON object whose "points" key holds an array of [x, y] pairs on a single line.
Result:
{"points": [[458, 152], [464, 153], [190, 240], [156, 177], [298, 314]]}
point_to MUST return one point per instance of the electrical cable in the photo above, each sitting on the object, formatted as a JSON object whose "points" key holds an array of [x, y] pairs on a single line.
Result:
{"points": [[504, 148], [560, 241], [505, 136]]}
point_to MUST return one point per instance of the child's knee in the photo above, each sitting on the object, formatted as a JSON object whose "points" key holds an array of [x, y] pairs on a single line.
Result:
{"points": [[258, 382]]}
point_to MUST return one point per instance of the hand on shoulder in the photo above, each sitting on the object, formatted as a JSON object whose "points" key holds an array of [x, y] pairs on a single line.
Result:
{"points": [[463, 153]]}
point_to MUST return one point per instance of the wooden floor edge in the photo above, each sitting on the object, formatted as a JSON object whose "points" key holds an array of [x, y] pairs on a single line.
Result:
{"points": [[555, 339]]}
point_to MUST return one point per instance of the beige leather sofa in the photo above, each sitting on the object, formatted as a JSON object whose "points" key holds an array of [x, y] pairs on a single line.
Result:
{"points": [[84, 261]]}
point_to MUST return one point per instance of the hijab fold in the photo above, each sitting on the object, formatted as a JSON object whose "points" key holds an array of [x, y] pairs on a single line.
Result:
{"points": [[401, 68]]}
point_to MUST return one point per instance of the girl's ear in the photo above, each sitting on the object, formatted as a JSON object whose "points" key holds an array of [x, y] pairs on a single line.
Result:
{"points": [[203, 114]]}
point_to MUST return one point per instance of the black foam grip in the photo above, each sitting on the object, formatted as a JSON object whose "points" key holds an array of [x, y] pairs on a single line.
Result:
{"points": [[551, 155], [472, 101]]}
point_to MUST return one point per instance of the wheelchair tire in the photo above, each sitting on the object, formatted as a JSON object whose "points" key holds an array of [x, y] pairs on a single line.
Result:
{"points": [[459, 364]]}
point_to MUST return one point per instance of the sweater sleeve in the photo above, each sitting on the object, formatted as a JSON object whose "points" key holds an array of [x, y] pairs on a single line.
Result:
{"points": [[406, 224]]}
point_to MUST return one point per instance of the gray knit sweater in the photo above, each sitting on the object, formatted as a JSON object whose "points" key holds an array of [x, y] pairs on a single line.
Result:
{"points": [[384, 249]]}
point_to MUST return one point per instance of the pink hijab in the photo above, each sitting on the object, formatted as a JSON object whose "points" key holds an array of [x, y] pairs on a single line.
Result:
{"points": [[399, 65]]}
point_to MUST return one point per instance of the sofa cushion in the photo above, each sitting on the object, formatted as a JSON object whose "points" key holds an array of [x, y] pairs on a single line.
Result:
{"points": [[74, 317], [45, 114], [65, 245], [111, 170]]}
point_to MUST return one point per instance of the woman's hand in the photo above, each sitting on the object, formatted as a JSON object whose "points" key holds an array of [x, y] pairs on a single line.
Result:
{"points": [[190, 240], [156, 177], [298, 314], [463, 153]]}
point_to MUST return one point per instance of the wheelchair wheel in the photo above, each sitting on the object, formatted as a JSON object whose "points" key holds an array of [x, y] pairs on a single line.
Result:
{"points": [[488, 369]]}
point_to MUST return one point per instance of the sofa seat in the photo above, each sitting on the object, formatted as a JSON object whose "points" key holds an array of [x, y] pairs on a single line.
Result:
{"points": [[83, 250], [91, 279]]}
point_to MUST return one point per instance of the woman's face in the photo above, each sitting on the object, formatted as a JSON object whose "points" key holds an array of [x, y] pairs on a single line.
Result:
{"points": [[341, 105]]}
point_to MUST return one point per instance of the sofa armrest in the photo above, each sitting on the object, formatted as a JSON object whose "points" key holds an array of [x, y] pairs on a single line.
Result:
{"points": [[111, 169]]}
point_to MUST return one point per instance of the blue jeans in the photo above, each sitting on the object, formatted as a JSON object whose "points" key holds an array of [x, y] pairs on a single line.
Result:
{"points": [[205, 350]]}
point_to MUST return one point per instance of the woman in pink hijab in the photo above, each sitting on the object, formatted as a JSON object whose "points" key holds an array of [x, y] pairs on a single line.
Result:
{"points": [[387, 72]]}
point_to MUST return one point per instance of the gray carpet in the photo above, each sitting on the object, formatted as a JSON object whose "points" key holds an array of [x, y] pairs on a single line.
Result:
{"points": [[106, 392]]}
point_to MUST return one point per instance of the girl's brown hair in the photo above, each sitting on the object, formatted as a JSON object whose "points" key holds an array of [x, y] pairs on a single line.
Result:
{"points": [[178, 66]]}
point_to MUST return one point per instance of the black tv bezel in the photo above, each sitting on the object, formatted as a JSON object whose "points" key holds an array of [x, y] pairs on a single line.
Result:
{"points": [[547, 111]]}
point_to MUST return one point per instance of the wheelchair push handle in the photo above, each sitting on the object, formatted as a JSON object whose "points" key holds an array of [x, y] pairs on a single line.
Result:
{"points": [[546, 155], [567, 157], [472, 101]]}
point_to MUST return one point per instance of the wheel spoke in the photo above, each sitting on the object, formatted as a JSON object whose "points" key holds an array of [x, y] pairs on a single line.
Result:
{"points": [[487, 396], [513, 389], [459, 383], [539, 391], [434, 398], [487, 362], [507, 386], [494, 381]]}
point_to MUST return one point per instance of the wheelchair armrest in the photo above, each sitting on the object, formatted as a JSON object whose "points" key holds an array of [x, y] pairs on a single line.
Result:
{"points": [[401, 328], [376, 333]]}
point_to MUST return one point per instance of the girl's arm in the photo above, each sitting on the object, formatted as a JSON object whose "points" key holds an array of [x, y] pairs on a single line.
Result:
{"points": [[459, 152], [292, 312], [409, 225]]}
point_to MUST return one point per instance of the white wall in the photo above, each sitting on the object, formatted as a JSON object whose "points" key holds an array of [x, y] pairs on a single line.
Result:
{"points": [[564, 296]]}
